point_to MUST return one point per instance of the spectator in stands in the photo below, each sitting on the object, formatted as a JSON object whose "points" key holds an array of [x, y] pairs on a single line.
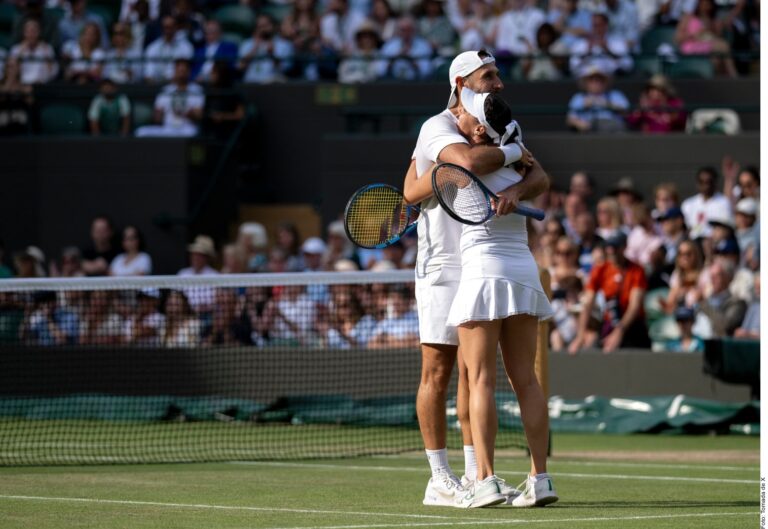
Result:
{"points": [[289, 242], [69, 264], [312, 251], [600, 49], [570, 21], [178, 107], [589, 241], [202, 253], [143, 327], [698, 208], [515, 32], [574, 206], [687, 342], [383, 19], [750, 327], [224, 106], [256, 300], [546, 62], [100, 322], [301, 26], [278, 261], [400, 328], [475, 23], [213, 50], [129, 9], [134, 261], [747, 230], [103, 248], [434, 26], [190, 22], [596, 108], [47, 22], [565, 305], [231, 322], [721, 312], [139, 22], [665, 197], [27, 263], [291, 316], [739, 183], [84, 56], [122, 62], [545, 249], [233, 260], [701, 33], [408, 55], [339, 246], [609, 219], [346, 326], [742, 281], [16, 101], [628, 196], [623, 285], [565, 262], [672, 231], [686, 286], [252, 241], [339, 25], [76, 18], [266, 56], [363, 64], [660, 110], [49, 324], [181, 328], [164, 53], [642, 240], [743, 24], [36, 57], [582, 184], [624, 22], [110, 111]]}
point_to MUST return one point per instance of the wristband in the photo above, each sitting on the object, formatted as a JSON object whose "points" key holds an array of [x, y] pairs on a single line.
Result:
{"points": [[512, 153]]}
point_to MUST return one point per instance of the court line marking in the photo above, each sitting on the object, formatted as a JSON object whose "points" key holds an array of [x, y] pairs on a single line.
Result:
{"points": [[564, 474], [221, 507], [554, 521]]}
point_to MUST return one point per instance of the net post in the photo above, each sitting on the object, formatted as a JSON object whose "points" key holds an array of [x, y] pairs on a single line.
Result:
{"points": [[542, 346]]}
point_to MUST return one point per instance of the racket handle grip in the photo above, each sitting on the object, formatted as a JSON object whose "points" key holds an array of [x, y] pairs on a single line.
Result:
{"points": [[535, 213]]}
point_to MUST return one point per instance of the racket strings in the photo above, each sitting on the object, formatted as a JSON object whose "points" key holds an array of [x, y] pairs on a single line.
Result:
{"points": [[377, 215], [462, 195]]}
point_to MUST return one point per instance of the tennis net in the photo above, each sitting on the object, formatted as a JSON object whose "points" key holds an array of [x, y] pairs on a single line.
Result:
{"points": [[214, 368]]}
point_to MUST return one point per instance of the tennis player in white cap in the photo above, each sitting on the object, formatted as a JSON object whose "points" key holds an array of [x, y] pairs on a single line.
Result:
{"points": [[438, 270]]}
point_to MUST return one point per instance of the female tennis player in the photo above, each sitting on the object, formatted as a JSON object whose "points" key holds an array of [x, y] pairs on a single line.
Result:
{"points": [[500, 300]]}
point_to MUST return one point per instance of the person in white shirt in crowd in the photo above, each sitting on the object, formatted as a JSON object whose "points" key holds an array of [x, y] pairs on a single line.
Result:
{"points": [[252, 240], [291, 316], [139, 23], [100, 322], [383, 19], [516, 30], [572, 22], [37, 58], [145, 325], [408, 55], [547, 60], [624, 22], [707, 202], [673, 232], [181, 327], [202, 252], [750, 326], [266, 56], [160, 55], [477, 26], [601, 49], [312, 251], [134, 261], [642, 241], [128, 9], [214, 49], [747, 229], [339, 25], [233, 260], [76, 17], [434, 26], [597, 107], [363, 65], [400, 328], [85, 55], [178, 107], [338, 247], [122, 62], [740, 182]]}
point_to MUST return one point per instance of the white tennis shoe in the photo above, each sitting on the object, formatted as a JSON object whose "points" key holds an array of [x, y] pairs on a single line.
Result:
{"points": [[538, 491], [481, 494], [506, 490], [443, 490]]}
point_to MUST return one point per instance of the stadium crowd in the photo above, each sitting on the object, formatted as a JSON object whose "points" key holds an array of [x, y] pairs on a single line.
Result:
{"points": [[663, 273]]}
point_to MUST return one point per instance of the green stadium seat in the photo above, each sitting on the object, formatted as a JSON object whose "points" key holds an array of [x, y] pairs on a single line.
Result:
{"points": [[692, 68], [655, 37], [236, 19], [62, 120], [441, 72], [278, 12], [107, 14], [646, 66], [7, 14], [142, 114]]}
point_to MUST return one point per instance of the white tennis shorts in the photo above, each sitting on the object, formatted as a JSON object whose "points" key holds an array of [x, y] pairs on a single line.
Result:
{"points": [[434, 295]]}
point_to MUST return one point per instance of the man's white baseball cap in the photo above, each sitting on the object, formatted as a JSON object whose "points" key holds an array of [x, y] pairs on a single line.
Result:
{"points": [[463, 65]]}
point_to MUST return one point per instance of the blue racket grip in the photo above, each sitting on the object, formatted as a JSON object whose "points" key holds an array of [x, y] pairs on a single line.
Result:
{"points": [[534, 213]]}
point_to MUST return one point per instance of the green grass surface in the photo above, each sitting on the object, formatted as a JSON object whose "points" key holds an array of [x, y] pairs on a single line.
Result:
{"points": [[633, 491]]}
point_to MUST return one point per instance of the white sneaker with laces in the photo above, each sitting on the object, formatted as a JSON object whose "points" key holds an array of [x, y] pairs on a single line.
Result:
{"points": [[481, 494], [443, 490], [538, 491], [506, 490]]}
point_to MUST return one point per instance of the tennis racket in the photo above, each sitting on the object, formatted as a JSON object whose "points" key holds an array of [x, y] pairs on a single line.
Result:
{"points": [[465, 198], [377, 216]]}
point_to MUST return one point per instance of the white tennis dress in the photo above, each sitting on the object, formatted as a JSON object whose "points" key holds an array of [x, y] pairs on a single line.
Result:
{"points": [[499, 277]]}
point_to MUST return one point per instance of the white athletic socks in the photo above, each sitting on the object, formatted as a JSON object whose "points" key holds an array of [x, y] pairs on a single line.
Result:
{"points": [[470, 462], [438, 461]]}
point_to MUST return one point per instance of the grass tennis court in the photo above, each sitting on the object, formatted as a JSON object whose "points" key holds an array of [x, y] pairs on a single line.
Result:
{"points": [[603, 481]]}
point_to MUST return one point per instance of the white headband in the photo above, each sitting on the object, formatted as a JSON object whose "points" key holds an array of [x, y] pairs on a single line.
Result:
{"points": [[475, 105]]}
